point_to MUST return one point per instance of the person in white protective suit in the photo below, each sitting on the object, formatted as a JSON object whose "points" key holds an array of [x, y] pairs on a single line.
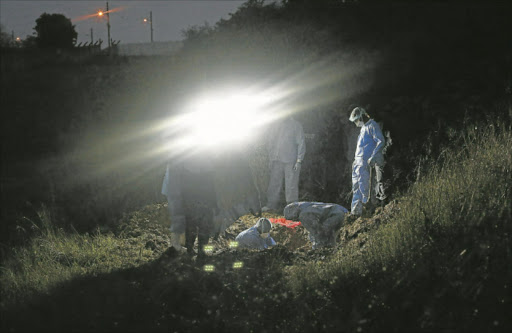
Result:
{"points": [[286, 148], [368, 162], [256, 237], [189, 186], [321, 220]]}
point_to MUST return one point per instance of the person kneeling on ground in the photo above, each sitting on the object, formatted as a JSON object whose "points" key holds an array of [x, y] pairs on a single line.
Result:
{"points": [[256, 237], [321, 220]]}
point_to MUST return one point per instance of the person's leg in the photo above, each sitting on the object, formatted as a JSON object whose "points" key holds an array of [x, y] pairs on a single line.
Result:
{"points": [[204, 227], [275, 184], [178, 226], [177, 222], [360, 188], [190, 234], [291, 185], [379, 185]]}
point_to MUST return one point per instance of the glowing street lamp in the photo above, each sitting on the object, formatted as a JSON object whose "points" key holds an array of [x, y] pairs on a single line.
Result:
{"points": [[99, 14], [106, 13], [150, 20]]}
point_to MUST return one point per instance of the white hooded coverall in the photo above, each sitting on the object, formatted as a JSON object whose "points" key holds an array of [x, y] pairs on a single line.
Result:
{"points": [[286, 145], [370, 144]]}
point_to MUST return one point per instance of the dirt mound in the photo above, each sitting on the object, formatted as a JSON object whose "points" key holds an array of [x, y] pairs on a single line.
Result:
{"points": [[292, 239], [151, 224]]}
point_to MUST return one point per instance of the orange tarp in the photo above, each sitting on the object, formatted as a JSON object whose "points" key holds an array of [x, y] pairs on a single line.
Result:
{"points": [[285, 222]]}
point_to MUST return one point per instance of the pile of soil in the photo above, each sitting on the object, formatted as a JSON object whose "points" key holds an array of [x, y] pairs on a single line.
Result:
{"points": [[290, 238]]}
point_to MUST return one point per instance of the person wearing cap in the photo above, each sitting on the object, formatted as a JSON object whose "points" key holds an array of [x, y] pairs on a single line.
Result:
{"points": [[368, 157], [256, 237], [286, 149]]}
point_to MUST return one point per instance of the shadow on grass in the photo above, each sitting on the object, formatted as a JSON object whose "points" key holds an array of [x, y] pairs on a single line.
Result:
{"points": [[172, 293]]}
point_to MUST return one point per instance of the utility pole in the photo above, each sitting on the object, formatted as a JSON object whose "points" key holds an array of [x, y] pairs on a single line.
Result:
{"points": [[108, 26], [151, 24], [92, 38]]}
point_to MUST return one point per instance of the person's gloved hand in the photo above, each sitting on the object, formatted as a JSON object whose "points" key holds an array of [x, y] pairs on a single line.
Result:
{"points": [[297, 165]]}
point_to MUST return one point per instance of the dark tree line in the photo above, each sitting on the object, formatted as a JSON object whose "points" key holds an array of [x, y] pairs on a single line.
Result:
{"points": [[51, 31]]}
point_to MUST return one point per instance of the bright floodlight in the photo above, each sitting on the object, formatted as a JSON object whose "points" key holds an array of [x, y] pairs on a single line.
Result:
{"points": [[225, 120]]}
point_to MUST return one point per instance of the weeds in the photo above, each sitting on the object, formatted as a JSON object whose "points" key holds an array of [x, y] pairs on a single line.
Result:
{"points": [[439, 259], [54, 256], [456, 205]]}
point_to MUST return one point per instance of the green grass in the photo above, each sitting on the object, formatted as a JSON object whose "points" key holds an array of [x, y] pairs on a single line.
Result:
{"points": [[438, 259], [446, 246], [465, 194], [54, 256]]}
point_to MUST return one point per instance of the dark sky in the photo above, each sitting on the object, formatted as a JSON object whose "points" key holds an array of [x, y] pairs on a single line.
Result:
{"points": [[170, 17]]}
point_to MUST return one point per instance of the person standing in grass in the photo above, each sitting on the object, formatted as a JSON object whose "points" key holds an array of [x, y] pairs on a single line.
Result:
{"points": [[189, 186], [368, 162], [286, 148]]}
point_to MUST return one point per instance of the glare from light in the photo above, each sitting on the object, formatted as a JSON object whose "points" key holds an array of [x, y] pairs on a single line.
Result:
{"points": [[223, 121], [208, 248], [238, 264], [233, 245]]}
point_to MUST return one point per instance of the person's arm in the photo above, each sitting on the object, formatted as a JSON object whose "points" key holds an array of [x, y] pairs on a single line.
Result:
{"points": [[174, 191], [379, 140], [301, 143]]}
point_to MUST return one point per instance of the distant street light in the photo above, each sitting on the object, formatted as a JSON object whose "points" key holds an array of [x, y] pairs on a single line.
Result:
{"points": [[100, 14], [150, 20]]}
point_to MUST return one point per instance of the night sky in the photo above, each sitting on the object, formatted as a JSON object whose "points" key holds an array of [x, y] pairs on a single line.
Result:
{"points": [[126, 19]]}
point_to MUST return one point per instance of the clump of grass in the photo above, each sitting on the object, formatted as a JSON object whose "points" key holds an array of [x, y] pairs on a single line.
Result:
{"points": [[53, 256], [440, 260], [463, 201], [467, 193]]}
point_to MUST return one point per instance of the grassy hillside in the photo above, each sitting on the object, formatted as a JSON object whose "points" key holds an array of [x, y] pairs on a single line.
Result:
{"points": [[76, 132], [435, 259], [80, 253]]}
